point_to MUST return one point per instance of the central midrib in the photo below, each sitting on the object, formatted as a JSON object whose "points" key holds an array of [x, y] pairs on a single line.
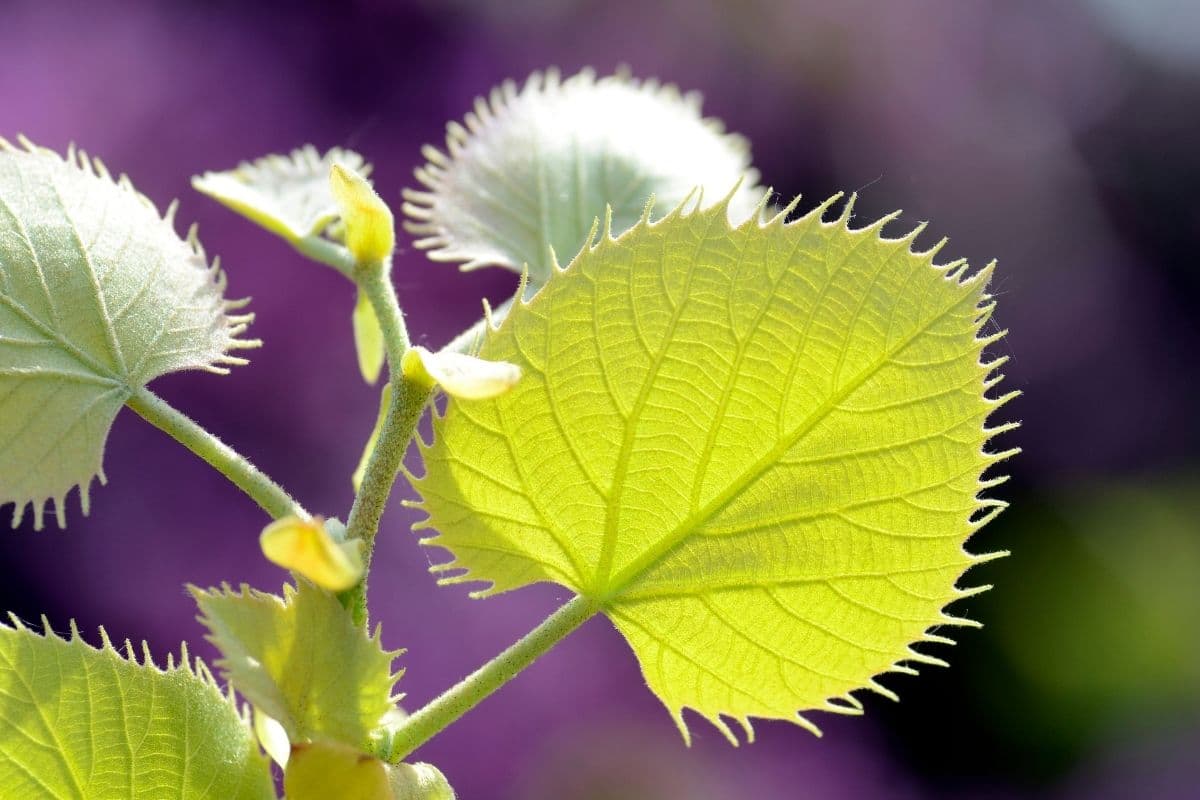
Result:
{"points": [[655, 553]]}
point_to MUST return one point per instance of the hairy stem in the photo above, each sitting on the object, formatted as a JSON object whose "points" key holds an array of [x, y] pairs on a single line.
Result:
{"points": [[247, 477], [326, 252], [471, 690], [403, 414]]}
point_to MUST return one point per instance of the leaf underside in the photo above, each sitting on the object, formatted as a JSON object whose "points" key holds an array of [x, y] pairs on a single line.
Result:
{"points": [[288, 195], [759, 449], [532, 168], [80, 722], [301, 660], [98, 296]]}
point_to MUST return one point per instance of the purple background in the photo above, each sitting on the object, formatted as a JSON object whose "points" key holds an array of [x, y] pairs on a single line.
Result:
{"points": [[1061, 138]]}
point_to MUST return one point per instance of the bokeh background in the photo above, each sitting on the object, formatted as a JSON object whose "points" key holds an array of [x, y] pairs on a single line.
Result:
{"points": [[1061, 138]]}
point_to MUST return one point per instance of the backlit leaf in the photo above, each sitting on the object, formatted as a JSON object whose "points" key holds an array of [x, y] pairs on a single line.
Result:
{"points": [[759, 450], [87, 723], [288, 195], [534, 167], [368, 339], [301, 660], [98, 296]]}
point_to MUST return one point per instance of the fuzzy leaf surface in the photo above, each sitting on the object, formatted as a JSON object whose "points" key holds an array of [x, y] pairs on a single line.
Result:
{"points": [[534, 167], [759, 450], [86, 723], [98, 296], [288, 195], [301, 660]]}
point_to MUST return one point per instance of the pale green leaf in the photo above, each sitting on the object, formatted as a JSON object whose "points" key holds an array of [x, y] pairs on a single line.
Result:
{"points": [[534, 167], [420, 781], [759, 450], [288, 195], [368, 339], [458, 374], [301, 660], [86, 723], [98, 296]]}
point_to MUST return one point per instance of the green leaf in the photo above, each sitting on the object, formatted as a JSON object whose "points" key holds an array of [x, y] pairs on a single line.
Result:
{"points": [[327, 770], [759, 450], [288, 195], [534, 167], [98, 296], [368, 339], [301, 660], [81, 722]]}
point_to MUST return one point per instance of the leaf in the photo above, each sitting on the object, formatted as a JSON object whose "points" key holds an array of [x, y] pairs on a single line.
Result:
{"points": [[288, 195], [301, 660], [759, 450], [82, 722], [368, 339], [460, 375], [534, 167], [98, 296]]}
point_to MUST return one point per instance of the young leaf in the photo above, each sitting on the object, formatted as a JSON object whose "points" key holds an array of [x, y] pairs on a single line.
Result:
{"points": [[759, 450], [287, 195], [83, 722], [98, 296], [368, 339], [534, 167], [460, 375], [370, 228], [301, 660]]}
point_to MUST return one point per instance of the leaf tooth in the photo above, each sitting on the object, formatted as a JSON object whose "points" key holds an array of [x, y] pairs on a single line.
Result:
{"points": [[681, 724], [937, 639], [924, 658], [843, 220], [719, 723], [39, 511], [903, 669], [997, 402], [839, 705], [960, 622], [748, 727], [878, 688], [983, 558], [971, 591], [780, 219], [806, 723], [60, 511]]}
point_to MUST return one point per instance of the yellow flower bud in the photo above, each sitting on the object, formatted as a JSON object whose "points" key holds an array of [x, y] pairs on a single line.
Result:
{"points": [[307, 548], [370, 228]]}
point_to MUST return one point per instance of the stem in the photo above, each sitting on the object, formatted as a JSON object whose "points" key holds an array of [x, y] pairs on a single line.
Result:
{"points": [[326, 252], [471, 690], [403, 414], [261, 489]]}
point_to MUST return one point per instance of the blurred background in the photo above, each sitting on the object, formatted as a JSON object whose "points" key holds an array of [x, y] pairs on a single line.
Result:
{"points": [[1061, 138]]}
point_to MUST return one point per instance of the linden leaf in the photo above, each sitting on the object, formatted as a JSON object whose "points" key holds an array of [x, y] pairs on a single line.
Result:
{"points": [[759, 450], [301, 660], [98, 296], [535, 167], [83, 722], [288, 195]]}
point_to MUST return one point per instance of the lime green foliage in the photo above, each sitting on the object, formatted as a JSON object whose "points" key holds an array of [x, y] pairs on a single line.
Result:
{"points": [[288, 195], [87, 723], [759, 450], [98, 296], [370, 228], [534, 167], [368, 339], [302, 661]]}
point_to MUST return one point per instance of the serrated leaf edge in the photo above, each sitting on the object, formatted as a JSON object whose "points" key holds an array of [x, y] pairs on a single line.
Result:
{"points": [[420, 206], [986, 509], [234, 324]]}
